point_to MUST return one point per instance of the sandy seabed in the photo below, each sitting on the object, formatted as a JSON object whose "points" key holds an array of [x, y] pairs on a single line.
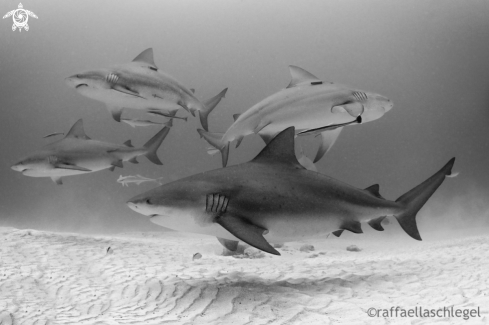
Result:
{"points": [[152, 278]]}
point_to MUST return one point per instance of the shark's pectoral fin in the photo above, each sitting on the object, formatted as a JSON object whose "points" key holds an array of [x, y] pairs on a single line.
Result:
{"points": [[133, 160], [328, 138], [246, 231], [376, 223], [116, 112], [236, 116], [57, 180], [231, 245], [239, 140], [71, 167], [353, 108], [352, 225], [338, 233]]}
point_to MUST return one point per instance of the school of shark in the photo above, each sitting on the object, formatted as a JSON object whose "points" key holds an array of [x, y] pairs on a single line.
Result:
{"points": [[274, 198]]}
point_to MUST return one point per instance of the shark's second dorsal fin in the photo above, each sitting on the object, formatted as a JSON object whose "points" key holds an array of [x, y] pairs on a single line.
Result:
{"points": [[280, 149], [301, 77], [374, 190], [146, 56], [77, 131]]}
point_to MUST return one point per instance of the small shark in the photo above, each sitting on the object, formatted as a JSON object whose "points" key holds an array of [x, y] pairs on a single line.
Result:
{"points": [[77, 154], [310, 105], [274, 199], [138, 179], [141, 85], [134, 123]]}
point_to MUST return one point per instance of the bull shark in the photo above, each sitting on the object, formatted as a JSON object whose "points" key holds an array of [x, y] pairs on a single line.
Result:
{"points": [[310, 105], [77, 154], [273, 199], [141, 85]]}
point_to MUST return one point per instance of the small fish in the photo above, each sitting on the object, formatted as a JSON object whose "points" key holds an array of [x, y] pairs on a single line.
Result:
{"points": [[53, 134], [77, 154], [138, 179], [274, 199], [141, 85], [134, 123]]}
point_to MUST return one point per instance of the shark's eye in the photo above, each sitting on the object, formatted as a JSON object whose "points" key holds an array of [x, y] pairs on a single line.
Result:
{"points": [[148, 201], [153, 68]]}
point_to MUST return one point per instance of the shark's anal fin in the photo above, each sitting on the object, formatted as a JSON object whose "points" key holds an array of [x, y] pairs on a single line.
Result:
{"points": [[352, 225], [128, 144], [133, 160], [266, 137], [116, 112], [57, 180], [112, 168], [338, 233], [246, 231], [117, 163], [231, 245], [376, 223]]}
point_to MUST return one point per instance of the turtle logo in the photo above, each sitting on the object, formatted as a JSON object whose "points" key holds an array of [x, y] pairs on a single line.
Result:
{"points": [[20, 17]]}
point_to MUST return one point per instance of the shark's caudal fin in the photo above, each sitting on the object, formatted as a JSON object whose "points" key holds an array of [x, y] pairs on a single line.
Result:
{"points": [[214, 140], [154, 143], [417, 197], [209, 105]]}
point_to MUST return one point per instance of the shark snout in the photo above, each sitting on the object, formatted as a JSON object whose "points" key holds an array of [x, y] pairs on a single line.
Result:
{"points": [[18, 167]]}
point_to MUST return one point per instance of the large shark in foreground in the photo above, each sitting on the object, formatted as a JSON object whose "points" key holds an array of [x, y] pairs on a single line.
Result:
{"points": [[141, 85], [274, 199], [78, 154], [310, 105]]}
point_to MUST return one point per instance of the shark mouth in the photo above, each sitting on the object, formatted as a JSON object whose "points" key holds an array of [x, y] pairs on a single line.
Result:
{"points": [[80, 85], [330, 127]]}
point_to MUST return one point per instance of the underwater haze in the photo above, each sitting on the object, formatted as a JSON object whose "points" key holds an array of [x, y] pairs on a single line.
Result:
{"points": [[429, 57]]}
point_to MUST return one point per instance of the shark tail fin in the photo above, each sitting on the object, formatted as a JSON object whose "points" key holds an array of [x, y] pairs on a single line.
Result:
{"points": [[215, 140], [209, 105], [414, 200], [154, 143]]}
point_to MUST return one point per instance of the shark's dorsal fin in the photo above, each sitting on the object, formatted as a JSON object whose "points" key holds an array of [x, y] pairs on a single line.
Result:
{"points": [[374, 190], [146, 56], [301, 77], [77, 131], [280, 150]]}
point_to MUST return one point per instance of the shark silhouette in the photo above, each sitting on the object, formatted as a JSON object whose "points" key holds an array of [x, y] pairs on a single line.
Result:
{"points": [[310, 105], [77, 154], [274, 199], [141, 85]]}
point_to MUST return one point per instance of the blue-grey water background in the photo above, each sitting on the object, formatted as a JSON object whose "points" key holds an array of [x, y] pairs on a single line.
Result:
{"points": [[429, 57]]}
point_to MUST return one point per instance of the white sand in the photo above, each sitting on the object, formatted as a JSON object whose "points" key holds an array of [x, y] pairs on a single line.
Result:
{"points": [[57, 278]]}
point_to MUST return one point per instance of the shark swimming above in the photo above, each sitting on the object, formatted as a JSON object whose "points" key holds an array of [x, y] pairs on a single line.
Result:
{"points": [[310, 105], [273, 199], [135, 122], [141, 85], [77, 154]]}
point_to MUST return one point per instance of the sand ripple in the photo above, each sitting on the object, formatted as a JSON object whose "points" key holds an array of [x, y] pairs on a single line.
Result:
{"points": [[52, 278]]}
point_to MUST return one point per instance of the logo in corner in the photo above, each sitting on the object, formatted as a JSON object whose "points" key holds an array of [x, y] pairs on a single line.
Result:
{"points": [[20, 17]]}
